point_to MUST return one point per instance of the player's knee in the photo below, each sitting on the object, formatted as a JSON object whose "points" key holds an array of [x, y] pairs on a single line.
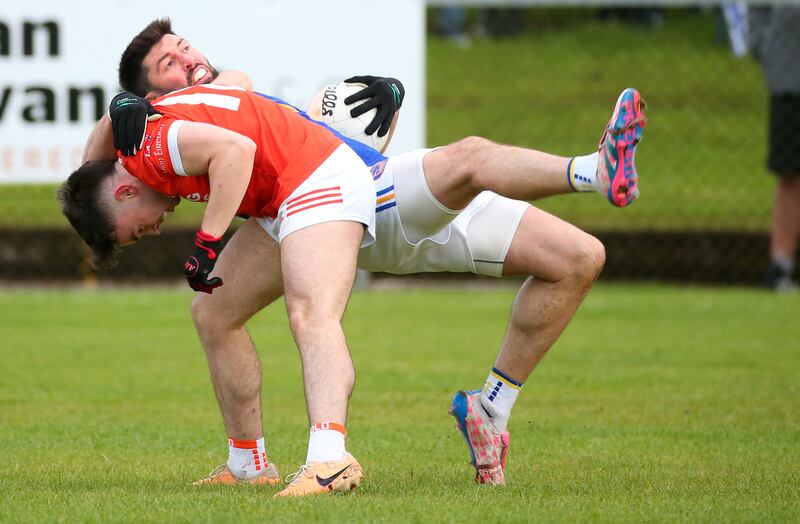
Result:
{"points": [[306, 316], [473, 145], [206, 318], [467, 155], [588, 259], [198, 309], [472, 150]]}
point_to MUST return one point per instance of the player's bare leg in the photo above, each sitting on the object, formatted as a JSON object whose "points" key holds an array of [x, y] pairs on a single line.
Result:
{"points": [[459, 171], [319, 267], [564, 263], [456, 173], [250, 267]]}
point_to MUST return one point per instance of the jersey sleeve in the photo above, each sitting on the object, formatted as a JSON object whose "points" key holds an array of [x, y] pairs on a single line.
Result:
{"points": [[159, 161]]}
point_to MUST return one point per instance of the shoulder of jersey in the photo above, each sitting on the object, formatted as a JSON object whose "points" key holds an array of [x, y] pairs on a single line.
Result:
{"points": [[204, 88]]}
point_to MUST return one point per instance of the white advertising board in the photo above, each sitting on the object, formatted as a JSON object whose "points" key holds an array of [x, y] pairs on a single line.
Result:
{"points": [[58, 62]]}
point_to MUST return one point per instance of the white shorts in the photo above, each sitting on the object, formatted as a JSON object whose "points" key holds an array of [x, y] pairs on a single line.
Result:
{"points": [[339, 189], [417, 234]]}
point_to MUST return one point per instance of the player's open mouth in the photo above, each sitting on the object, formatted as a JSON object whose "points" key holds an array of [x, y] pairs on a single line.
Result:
{"points": [[198, 74]]}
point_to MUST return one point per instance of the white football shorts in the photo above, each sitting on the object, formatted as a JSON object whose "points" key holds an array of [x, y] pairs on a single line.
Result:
{"points": [[415, 233], [339, 189]]}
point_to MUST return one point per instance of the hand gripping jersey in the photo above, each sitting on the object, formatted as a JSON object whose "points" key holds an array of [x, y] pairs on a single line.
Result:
{"points": [[289, 145]]}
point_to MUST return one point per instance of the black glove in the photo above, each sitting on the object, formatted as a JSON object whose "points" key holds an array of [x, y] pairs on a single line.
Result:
{"points": [[384, 93], [129, 115], [201, 263]]}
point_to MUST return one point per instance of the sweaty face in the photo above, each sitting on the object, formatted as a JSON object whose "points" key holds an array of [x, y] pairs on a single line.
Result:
{"points": [[174, 64], [141, 215]]}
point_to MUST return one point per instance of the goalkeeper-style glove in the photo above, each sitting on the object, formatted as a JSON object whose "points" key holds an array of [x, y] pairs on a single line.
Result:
{"points": [[201, 263], [129, 116], [386, 94]]}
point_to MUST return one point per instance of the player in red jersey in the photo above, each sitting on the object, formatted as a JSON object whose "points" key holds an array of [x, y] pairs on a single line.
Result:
{"points": [[248, 154], [500, 237]]}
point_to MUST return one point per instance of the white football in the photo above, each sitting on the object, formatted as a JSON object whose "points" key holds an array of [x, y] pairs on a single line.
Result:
{"points": [[328, 106]]}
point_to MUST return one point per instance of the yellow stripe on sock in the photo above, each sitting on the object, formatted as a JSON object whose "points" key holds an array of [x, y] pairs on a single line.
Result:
{"points": [[572, 175], [504, 381]]}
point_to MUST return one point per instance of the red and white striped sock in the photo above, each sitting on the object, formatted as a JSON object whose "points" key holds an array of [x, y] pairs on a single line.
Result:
{"points": [[246, 458], [326, 442]]}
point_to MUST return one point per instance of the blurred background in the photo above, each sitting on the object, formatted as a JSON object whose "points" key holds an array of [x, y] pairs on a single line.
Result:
{"points": [[524, 73]]}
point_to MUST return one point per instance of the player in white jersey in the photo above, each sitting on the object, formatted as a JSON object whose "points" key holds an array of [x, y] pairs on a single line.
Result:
{"points": [[433, 214]]}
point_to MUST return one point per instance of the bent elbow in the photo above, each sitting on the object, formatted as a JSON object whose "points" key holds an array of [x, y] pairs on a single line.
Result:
{"points": [[248, 146]]}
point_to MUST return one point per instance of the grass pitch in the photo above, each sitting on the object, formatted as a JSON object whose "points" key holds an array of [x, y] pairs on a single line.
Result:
{"points": [[658, 404]]}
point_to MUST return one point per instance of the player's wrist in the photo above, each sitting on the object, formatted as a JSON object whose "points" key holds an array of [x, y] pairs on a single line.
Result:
{"points": [[398, 91], [123, 99], [200, 263], [207, 237], [128, 114]]}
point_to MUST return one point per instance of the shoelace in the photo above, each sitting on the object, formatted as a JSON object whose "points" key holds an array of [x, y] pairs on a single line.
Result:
{"points": [[216, 471], [290, 477], [224, 467], [641, 119]]}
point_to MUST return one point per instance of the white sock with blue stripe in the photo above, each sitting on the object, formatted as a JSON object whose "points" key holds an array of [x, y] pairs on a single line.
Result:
{"points": [[582, 173], [498, 397]]}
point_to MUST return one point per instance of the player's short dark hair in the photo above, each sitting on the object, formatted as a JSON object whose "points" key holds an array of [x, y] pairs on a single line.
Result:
{"points": [[132, 75], [80, 198]]}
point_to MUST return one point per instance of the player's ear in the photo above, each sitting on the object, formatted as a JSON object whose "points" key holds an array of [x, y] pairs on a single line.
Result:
{"points": [[150, 96], [125, 191]]}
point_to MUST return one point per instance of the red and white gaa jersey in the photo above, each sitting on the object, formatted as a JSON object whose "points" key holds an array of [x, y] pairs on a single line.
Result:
{"points": [[289, 146]]}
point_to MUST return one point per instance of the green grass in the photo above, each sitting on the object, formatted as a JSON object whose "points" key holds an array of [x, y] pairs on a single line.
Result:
{"points": [[658, 404], [702, 158]]}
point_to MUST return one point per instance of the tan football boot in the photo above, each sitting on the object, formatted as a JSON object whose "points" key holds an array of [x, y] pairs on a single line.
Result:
{"points": [[317, 478], [222, 475]]}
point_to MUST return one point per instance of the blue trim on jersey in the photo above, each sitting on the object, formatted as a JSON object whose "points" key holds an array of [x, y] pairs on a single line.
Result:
{"points": [[385, 207], [369, 156], [384, 191]]}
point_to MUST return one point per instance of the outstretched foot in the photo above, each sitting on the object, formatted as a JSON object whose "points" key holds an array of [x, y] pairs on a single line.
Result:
{"points": [[616, 169]]}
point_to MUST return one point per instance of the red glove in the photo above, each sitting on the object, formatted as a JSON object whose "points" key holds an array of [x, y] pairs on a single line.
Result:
{"points": [[201, 263]]}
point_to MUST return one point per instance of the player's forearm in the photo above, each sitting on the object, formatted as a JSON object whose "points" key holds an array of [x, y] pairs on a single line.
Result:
{"points": [[229, 172], [100, 144]]}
